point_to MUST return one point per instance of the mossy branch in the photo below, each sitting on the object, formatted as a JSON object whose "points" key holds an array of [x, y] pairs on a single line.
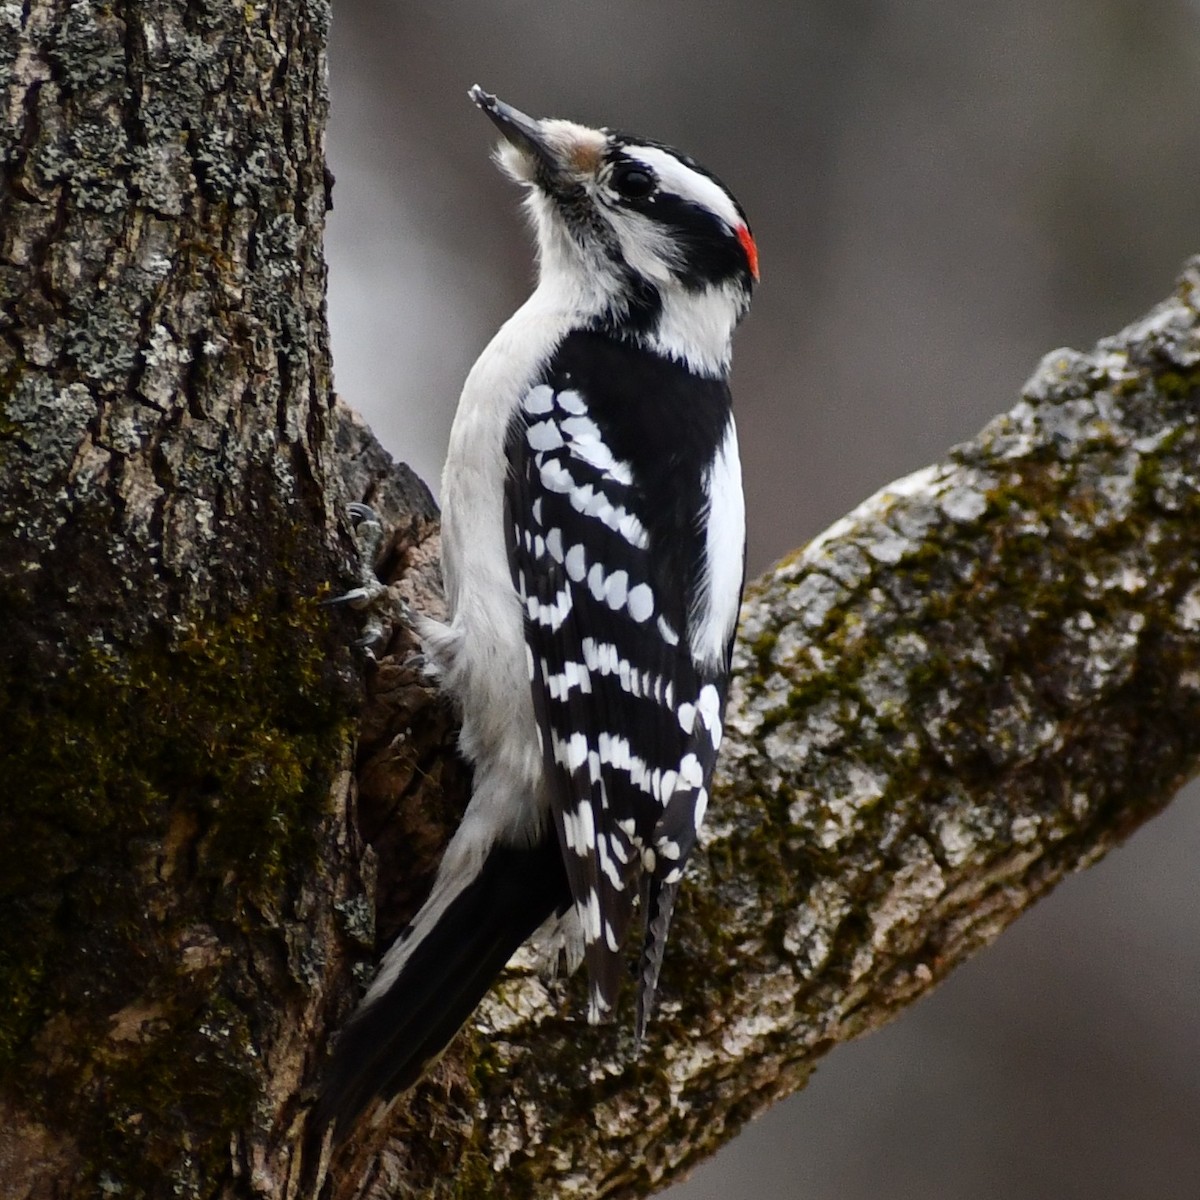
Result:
{"points": [[980, 680]]}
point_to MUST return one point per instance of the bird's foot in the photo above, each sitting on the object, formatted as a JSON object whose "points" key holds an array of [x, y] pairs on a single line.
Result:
{"points": [[383, 609]]}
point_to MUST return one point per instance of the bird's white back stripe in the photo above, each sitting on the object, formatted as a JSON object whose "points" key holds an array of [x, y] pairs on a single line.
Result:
{"points": [[714, 615]]}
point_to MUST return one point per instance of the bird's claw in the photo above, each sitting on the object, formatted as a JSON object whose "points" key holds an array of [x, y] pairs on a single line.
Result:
{"points": [[373, 636], [358, 598], [372, 596]]}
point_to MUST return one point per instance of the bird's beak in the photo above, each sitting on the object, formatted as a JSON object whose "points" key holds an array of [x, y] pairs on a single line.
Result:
{"points": [[525, 133]]}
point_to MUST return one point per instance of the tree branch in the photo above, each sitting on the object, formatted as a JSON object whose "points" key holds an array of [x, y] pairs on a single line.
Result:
{"points": [[980, 680]]}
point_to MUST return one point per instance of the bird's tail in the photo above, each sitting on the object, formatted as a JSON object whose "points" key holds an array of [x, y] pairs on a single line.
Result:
{"points": [[658, 900], [435, 974]]}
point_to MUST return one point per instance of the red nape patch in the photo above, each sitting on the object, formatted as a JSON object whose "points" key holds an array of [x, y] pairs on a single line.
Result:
{"points": [[747, 241]]}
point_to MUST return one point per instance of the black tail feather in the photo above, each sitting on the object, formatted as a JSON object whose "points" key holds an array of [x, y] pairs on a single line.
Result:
{"points": [[387, 1044]]}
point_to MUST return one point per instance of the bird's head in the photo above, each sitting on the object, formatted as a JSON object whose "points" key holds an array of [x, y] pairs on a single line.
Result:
{"points": [[646, 243]]}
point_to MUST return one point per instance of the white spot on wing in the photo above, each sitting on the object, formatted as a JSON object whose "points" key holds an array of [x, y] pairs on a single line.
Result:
{"points": [[551, 615], [607, 865], [573, 675], [540, 400], [595, 579], [690, 771], [581, 430], [616, 589], [543, 436], [633, 531], [575, 563], [589, 916], [641, 602], [598, 505], [598, 455], [570, 401], [571, 753], [555, 477], [667, 787], [588, 445], [583, 824]]}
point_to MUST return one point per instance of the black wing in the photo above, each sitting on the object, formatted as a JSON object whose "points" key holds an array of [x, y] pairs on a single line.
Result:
{"points": [[602, 516]]}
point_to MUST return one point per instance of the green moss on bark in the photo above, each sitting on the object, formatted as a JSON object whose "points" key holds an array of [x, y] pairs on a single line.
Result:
{"points": [[162, 807]]}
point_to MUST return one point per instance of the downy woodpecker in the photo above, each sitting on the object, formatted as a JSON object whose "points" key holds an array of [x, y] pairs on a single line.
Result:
{"points": [[593, 553]]}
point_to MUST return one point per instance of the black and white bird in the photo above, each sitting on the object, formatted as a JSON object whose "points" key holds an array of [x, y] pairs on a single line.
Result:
{"points": [[593, 541]]}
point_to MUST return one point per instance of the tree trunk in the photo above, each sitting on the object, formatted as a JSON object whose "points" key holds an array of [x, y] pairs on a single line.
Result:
{"points": [[980, 680], [177, 707]]}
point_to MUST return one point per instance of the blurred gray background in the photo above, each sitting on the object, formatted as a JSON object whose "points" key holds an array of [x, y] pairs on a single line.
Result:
{"points": [[941, 192]]}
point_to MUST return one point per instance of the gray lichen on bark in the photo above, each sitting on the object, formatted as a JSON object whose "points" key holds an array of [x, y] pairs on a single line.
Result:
{"points": [[981, 679]]}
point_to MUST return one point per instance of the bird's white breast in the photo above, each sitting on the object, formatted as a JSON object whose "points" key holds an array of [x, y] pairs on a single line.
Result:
{"points": [[485, 664]]}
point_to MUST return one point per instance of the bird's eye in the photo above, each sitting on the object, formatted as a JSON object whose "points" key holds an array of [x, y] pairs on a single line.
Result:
{"points": [[633, 183]]}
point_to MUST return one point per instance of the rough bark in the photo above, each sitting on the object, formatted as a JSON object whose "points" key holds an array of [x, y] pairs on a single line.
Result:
{"points": [[979, 681], [176, 708]]}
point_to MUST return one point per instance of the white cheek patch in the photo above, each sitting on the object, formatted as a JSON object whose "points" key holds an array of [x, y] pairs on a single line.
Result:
{"points": [[645, 245], [683, 181]]}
